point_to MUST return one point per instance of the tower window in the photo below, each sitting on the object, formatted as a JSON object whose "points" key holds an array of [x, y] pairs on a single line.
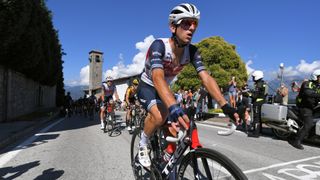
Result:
{"points": [[98, 58]]}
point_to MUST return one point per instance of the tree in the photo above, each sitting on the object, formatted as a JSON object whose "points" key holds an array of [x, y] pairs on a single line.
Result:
{"points": [[220, 59], [29, 42]]}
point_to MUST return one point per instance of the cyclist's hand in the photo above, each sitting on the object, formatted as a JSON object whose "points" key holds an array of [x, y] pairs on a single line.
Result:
{"points": [[231, 112], [178, 117]]}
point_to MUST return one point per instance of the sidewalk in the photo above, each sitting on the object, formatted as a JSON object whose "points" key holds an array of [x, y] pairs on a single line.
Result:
{"points": [[12, 131]]}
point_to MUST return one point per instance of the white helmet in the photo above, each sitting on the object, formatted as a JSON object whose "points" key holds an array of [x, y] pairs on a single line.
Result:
{"points": [[109, 78], [315, 74], [184, 10], [257, 75]]}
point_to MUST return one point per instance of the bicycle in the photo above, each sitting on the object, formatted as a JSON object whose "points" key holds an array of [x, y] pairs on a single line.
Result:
{"points": [[137, 116], [108, 120], [185, 163], [111, 123]]}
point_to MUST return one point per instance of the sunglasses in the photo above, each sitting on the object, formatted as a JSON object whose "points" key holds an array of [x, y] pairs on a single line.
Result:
{"points": [[187, 23]]}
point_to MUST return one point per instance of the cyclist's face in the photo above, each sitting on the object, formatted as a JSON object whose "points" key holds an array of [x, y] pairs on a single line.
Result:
{"points": [[109, 83], [186, 29]]}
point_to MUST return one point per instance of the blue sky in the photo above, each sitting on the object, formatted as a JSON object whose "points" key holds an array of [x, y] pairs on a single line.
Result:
{"points": [[265, 32]]}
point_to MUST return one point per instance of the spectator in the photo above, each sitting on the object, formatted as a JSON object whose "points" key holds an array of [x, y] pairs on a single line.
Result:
{"points": [[283, 92], [243, 109], [201, 103], [232, 91]]}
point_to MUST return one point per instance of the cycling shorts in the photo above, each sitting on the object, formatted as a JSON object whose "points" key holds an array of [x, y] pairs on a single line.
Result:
{"points": [[147, 96], [106, 100]]}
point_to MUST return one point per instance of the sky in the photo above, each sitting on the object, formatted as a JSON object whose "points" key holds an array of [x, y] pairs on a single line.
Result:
{"points": [[265, 33]]}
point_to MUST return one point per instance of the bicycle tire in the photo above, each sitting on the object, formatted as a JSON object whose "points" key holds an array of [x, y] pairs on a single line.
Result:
{"points": [[229, 168], [136, 136], [105, 125], [110, 123]]}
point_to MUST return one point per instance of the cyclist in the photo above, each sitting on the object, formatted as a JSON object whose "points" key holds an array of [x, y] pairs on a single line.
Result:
{"points": [[130, 98], [308, 98], [165, 59], [108, 90], [68, 103]]}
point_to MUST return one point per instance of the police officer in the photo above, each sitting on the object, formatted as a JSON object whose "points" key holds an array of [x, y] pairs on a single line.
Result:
{"points": [[308, 98], [258, 98]]}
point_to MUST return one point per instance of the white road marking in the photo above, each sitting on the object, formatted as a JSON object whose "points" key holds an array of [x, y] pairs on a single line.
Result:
{"points": [[11, 154], [217, 127], [263, 168], [280, 164]]}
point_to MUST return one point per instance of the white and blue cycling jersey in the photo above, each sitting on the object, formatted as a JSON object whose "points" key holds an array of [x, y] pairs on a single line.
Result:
{"points": [[160, 55], [108, 90]]}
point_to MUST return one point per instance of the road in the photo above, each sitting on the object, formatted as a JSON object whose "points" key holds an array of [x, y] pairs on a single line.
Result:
{"points": [[76, 148]]}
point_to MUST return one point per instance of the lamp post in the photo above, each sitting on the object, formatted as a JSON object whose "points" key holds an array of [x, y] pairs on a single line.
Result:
{"points": [[281, 72]]}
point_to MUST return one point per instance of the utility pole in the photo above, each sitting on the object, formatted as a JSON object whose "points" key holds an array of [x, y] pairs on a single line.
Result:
{"points": [[281, 73]]}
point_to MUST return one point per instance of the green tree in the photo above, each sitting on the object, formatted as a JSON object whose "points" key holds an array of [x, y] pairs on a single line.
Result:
{"points": [[29, 42], [220, 59]]}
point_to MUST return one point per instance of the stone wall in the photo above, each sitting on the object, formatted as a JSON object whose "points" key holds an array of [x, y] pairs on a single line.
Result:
{"points": [[20, 95]]}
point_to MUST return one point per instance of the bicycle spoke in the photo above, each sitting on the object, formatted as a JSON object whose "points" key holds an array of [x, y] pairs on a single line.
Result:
{"points": [[210, 165]]}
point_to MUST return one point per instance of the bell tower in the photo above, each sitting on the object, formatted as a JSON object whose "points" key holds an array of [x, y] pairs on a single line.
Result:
{"points": [[95, 71]]}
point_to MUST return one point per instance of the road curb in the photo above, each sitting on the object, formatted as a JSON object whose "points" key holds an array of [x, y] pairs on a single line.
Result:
{"points": [[11, 139]]}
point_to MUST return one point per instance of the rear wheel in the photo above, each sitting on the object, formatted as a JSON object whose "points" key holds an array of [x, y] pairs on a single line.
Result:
{"points": [[110, 120], [281, 134], [211, 165]]}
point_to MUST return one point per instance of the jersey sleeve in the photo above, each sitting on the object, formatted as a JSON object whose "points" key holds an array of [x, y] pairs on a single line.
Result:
{"points": [[156, 53], [196, 59]]}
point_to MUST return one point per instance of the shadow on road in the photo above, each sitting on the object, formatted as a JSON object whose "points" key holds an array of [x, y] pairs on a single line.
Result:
{"points": [[50, 174], [40, 139], [14, 172]]}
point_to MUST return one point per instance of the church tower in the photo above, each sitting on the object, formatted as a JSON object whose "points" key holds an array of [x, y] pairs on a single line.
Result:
{"points": [[95, 72]]}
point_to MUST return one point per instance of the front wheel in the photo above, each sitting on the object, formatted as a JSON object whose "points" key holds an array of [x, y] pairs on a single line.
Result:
{"points": [[211, 164]]}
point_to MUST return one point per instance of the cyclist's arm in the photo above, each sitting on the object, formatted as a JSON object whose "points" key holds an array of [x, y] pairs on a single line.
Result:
{"points": [[102, 93], [127, 96], [116, 94], [211, 85], [162, 87]]}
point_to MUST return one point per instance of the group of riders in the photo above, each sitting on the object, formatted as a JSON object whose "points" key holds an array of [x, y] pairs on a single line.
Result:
{"points": [[85, 106], [165, 59]]}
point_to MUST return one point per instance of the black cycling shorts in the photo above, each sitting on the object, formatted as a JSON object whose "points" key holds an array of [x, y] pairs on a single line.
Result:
{"points": [[147, 95]]}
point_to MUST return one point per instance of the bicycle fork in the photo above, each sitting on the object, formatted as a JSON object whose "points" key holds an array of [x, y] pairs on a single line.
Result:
{"points": [[178, 154]]}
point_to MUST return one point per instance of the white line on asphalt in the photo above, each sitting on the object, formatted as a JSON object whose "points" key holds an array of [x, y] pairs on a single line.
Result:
{"points": [[216, 127], [11, 154], [280, 164]]}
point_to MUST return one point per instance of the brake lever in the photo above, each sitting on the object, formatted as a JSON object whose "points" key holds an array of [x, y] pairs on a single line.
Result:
{"points": [[181, 135]]}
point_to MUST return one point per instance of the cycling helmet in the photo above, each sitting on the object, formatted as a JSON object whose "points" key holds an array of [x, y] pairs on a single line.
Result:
{"points": [[256, 75], [109, 78], [135, 82], [184, 10], [315, 74]]}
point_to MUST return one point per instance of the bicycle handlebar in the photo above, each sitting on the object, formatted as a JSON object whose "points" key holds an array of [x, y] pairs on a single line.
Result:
{"points": [[181, 134]]}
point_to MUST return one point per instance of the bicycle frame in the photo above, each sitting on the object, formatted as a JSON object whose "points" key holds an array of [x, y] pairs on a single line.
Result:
{"points": [[177, 156]]}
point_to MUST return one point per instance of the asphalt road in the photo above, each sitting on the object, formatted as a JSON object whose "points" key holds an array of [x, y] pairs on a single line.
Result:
{"points": [[76, 148]]}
